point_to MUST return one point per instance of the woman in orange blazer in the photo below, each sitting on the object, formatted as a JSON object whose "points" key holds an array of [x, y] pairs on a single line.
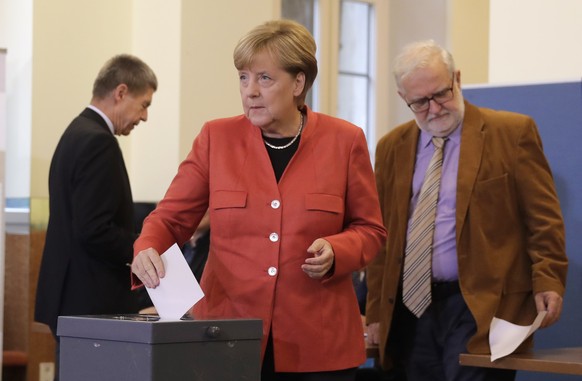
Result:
{"points": [[293, 212]]}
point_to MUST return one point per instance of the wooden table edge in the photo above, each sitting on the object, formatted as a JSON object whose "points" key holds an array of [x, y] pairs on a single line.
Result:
{"points": [[554, 360]]}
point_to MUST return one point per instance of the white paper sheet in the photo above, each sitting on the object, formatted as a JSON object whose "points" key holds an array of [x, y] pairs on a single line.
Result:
{"points": [[178, 290], [505, 337]]}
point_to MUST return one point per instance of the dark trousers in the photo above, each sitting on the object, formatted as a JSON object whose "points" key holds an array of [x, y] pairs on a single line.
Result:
{"points": [[268, 371], [57, 355], [428, 348]]}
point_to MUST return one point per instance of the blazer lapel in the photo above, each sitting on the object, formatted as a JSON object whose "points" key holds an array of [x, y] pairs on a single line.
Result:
{"points": [[406, 153], [471, 154]]}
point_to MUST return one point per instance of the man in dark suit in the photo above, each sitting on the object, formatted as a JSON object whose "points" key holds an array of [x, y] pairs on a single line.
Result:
{"points": [[90, 232], [496, 247]]}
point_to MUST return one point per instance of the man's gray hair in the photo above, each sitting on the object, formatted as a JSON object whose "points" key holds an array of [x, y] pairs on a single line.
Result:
{"points": [[418, 55]]}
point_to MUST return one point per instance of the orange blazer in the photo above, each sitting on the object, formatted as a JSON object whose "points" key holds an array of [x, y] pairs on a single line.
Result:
{"points": [[509, 227], [261, 229]]}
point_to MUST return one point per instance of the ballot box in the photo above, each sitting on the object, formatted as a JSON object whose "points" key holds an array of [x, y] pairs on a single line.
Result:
{"points": [[144, 348]]}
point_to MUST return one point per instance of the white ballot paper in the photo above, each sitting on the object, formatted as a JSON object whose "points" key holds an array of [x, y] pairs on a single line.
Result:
{"points": [[178, 290], [505, 337]]}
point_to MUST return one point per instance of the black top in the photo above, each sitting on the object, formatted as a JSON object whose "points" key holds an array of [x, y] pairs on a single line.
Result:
{"points": [[281, 157]]}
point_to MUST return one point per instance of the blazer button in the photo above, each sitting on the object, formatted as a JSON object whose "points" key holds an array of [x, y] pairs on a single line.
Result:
{"points": [[390, 300], [272, 271], [275, 204], [274, 237]]}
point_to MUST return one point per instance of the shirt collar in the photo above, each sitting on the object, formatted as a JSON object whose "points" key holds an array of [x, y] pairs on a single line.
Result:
{"points": [[455, 137], [105, 118]]}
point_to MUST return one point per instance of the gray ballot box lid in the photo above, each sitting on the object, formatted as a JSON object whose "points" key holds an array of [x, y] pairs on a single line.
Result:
{"points": [[145, 348], [149, 329]]}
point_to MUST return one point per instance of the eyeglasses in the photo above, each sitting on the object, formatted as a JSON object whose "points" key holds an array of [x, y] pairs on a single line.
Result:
{"points": [[441, 97]]}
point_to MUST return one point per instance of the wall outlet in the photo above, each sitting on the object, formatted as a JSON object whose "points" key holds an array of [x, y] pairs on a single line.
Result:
{"points": [[46, 371]]}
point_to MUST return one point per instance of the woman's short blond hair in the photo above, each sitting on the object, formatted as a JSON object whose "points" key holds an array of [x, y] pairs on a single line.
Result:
{"points": [[288, 42]]}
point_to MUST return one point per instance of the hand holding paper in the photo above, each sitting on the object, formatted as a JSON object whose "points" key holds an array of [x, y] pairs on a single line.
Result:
{"points": [[505, 337], [178, 290]]}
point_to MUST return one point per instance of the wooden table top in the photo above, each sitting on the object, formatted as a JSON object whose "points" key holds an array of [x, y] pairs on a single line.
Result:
{"points": [[555, 360]]}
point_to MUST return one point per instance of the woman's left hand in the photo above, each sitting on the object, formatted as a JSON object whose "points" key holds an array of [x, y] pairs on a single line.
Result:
{"points": [[323, 256]]}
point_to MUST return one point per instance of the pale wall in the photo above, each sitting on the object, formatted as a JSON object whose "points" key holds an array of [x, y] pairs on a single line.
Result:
{"points": [[209, 79], [16, 36], [67, 54], [469, 39], [535, 41], [188, 44], [150, 151], [411, 21]]}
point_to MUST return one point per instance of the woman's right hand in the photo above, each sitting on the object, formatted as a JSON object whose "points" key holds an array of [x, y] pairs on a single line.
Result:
{"points": [[148, 267]]}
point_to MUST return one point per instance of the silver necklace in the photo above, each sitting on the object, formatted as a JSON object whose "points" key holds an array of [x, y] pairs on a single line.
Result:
{"points": [[292, 140]]}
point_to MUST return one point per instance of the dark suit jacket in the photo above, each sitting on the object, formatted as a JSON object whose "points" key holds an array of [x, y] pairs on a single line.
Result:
{"points": [[509, 228], [91, 229]]}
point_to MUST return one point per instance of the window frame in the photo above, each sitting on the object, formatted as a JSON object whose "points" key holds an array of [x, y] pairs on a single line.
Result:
{"points": [[325, 91], [328, 56]]}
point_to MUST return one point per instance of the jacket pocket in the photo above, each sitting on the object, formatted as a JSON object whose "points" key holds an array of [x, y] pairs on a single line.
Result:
{"points": [[494, 207], [492, 187], [324, 202], [228, 199]]}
